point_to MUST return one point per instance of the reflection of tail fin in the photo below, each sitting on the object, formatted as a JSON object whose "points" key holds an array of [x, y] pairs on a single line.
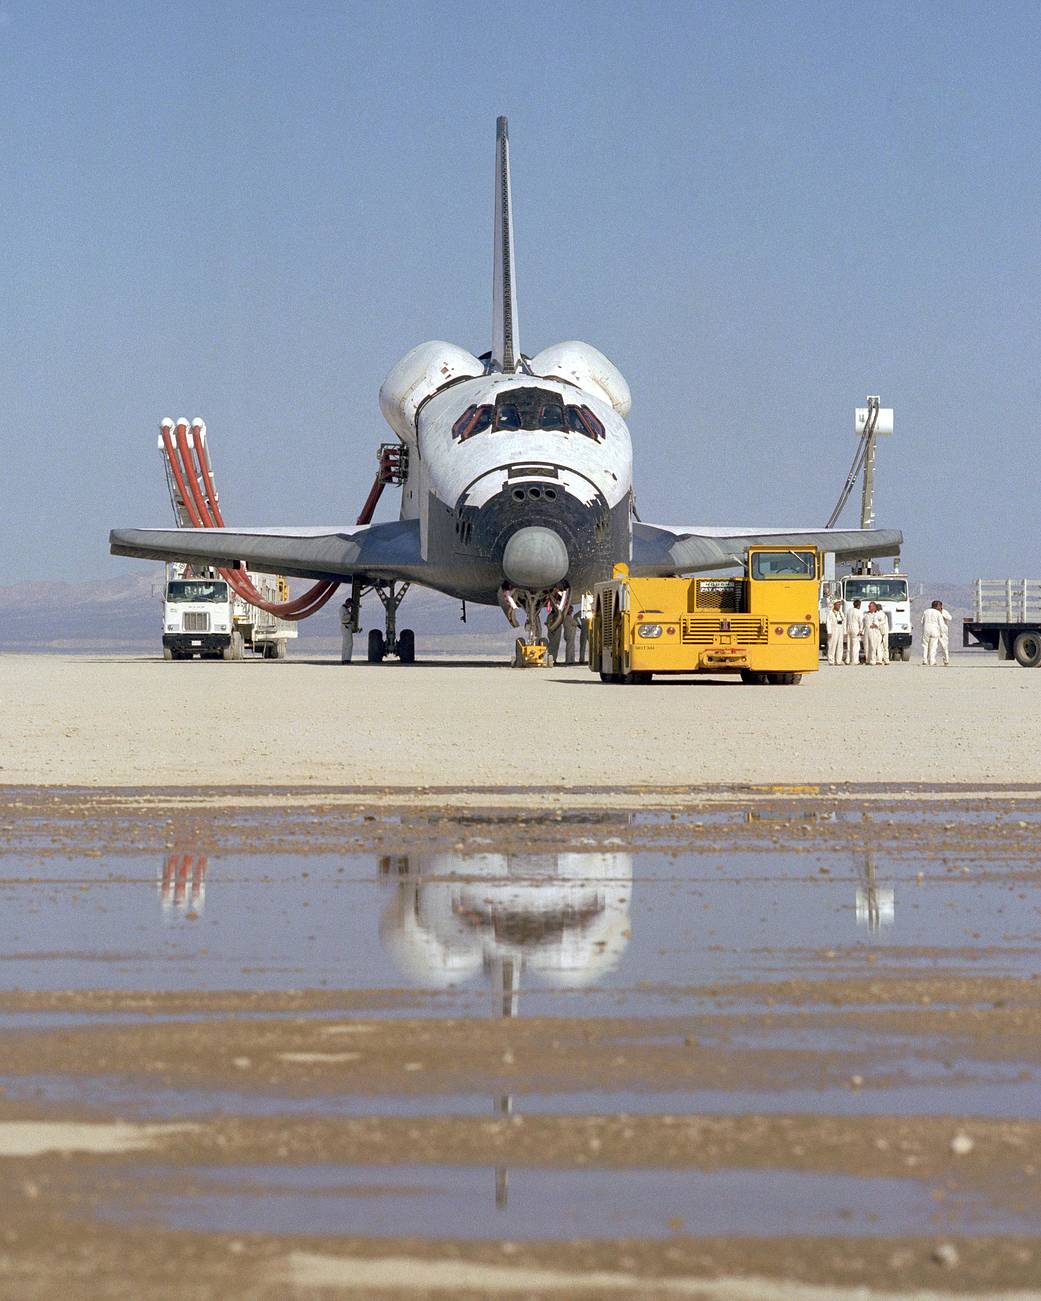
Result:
{"points": [[505, 331]]}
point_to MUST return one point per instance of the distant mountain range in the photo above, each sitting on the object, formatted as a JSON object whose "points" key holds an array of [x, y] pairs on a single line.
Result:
{"points": [[124, 611]]}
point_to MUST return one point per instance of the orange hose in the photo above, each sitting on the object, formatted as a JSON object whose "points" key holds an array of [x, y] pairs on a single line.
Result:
{"points": [[199, 512]]}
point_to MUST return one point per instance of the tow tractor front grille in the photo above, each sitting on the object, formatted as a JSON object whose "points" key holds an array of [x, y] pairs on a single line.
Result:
{"points": [[744, 629], [196, 621]]}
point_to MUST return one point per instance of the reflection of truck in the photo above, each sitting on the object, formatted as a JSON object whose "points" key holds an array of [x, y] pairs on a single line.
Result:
{"points": [[762, 625], [201, 616], [889, 591], [1007, 618]]}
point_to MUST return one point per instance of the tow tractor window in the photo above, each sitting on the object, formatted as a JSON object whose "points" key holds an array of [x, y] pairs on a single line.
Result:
{"points": [[784, 564], [474, 420]]}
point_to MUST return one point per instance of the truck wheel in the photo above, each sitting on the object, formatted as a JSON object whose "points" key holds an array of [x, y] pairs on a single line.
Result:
{"points": [[168, 653], [905, 654], [407, 646], [1027, 649], [377, 646], [280, 649]]}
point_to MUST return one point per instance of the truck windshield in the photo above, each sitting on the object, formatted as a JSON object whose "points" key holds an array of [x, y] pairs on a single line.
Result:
{"points": [[876, 589], [784, 564], [196, 590]]}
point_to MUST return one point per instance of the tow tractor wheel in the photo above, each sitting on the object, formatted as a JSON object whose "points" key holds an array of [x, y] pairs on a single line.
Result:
{"points": [[407, 646], [1027, 649], [752, 678], [377, 646], [784, 679]]}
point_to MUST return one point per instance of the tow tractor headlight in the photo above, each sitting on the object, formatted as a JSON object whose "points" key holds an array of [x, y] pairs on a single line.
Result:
{"points": [[649, 630], [799, 630]]}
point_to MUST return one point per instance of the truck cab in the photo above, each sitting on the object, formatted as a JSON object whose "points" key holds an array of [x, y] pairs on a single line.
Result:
{"points": [[197, 618], [890, 591], [762, 625]]}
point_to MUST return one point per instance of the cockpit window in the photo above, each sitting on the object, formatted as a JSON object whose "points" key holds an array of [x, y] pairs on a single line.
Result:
{"points": [[507, 416], [474, 420], [583, 421], [529, 409], [552, 416]]}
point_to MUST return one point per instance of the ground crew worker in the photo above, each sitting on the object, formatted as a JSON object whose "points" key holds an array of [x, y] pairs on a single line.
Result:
{"points": [[835, 625], [854, 632], [945, 629], [346, 631], [874, 625], [884, 626], [934, 634], [585, 622], [560, 620]]}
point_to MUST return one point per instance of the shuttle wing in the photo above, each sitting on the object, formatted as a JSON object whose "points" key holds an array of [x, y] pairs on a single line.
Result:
{"points": [[660, 549], [384, 551]]}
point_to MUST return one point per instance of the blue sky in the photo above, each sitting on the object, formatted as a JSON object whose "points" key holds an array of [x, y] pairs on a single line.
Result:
{"points": [[761, 213]]}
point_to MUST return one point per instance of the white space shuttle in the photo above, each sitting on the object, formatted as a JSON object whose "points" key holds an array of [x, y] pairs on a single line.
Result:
{"points": [[514, 469]]}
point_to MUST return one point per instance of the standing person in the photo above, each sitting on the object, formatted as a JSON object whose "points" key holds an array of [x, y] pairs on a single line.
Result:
{"points": [[346, 631], [835, 625], [934, 634], [854, 632], [873, 629], [585, 622], [945, 629], [556, 605], [883, 648], [570, 628]]}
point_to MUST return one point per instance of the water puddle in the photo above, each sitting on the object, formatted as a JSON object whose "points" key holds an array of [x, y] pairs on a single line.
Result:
{"points": [[574, 932], [476, 1203]]}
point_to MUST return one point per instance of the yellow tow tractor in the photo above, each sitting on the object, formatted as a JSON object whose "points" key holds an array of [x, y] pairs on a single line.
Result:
{"points": [[763, 625]]}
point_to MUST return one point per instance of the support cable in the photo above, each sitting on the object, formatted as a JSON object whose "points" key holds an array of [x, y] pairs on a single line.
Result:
{"points": [[858, 464]]}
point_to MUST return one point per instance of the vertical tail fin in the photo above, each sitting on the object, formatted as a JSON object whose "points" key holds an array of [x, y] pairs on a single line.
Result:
{"points": [[505, 331]]}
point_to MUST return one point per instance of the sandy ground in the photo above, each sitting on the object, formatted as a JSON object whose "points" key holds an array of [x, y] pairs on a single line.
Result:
{"points": [[76, 720]]}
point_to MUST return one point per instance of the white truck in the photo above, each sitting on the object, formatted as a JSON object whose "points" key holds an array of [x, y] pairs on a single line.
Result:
{"points": [[890, 591], [203, 617]]}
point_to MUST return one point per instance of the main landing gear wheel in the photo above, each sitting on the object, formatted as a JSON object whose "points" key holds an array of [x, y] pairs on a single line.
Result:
{"points": [[407, 646], [1027, 649], [377, 646]]}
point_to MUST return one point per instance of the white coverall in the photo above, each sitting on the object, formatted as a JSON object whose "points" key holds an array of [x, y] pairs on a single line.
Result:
{"points": [[934, 636], [875, 623], [854, 633], [346, 632], [884, 645], [835, 626]]}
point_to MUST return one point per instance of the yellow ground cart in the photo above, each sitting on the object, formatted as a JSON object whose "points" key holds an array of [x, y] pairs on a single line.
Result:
{"points": [[763, 625]]}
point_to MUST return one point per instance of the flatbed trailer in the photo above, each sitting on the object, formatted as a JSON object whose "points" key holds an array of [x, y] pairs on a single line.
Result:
{"points": [[1007, 618]]}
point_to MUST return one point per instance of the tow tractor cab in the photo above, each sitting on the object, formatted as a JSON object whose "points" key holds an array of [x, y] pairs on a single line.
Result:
{"points": [[202, 617], [888, 591], [763, 625]]}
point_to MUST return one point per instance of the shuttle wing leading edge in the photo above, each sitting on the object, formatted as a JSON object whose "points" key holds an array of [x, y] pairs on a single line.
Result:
{"points": [[385, 551], [660, 549]]}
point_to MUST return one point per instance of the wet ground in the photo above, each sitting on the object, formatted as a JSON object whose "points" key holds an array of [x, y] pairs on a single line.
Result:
{"points": [[344, 1044]]}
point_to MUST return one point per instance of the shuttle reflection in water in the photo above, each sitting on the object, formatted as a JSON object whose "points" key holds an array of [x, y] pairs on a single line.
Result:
{"points": [[564, 918], [182, 884]]}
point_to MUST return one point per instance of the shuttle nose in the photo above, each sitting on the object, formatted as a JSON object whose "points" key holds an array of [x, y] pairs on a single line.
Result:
{"points": [[535, 557]]}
